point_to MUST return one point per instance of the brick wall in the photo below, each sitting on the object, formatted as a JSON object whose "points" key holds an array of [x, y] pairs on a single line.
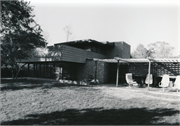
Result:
{"points": [[102, 72], [84, 70], [121, 49]]}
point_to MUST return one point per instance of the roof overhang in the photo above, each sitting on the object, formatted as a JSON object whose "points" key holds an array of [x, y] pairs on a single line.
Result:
{"points": [[86, 41], [130, 60]]}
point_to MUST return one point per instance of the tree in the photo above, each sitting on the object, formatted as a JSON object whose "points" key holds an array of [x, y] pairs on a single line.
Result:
{"points": [[160, 50], [53, 52], [153, 50], [56, 52], [140, 52], [20, 34], [68, 31]]}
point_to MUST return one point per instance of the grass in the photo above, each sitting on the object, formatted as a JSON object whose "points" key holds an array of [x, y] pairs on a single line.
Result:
{"points": [[45, 102]]}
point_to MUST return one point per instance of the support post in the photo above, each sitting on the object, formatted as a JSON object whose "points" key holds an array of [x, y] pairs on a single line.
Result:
{"points": [[28, 71], [46, 71], [34, 69], [40, 73], [50, 69], [149, 71], [117, 75], [95, 74], [54, 76]]}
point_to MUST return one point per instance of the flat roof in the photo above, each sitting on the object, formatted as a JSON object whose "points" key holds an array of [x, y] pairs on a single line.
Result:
{"points": [[85, 41], [131, 60]]}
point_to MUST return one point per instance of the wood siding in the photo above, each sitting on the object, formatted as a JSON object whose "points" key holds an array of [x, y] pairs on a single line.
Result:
{"points": [[94, 55], [72, 54]]}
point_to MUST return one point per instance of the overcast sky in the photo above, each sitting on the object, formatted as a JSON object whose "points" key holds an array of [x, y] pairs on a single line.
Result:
{"points": [[134, 21]]}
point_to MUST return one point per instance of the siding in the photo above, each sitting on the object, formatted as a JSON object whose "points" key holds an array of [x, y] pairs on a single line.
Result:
{"points": [[72, 54], [94, 55]]}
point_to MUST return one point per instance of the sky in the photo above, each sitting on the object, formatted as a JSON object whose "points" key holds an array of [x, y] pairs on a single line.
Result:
{"points": [[134, 22]]}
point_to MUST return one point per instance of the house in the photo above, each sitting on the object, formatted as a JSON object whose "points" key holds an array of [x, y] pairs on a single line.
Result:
{"points": [[77, 60]]}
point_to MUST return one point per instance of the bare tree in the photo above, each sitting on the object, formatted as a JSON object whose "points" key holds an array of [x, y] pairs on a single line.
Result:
{"points": [[68, 31]]}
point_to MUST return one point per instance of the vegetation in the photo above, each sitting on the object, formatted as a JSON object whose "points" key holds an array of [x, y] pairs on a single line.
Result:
{"points": [[46, 102], [20, 34], [153, 50]]}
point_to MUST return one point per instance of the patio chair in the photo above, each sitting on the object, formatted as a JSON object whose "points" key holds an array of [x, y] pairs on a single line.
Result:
{"points": [[149, 79], [130, 80], [164, 82], [177, 83]]}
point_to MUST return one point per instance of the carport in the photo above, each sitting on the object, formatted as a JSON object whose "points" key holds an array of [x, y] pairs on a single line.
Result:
{"points": [[157, 67]]}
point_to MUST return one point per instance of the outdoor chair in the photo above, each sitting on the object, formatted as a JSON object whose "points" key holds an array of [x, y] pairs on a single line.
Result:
{"points": [[177, 83], [149, 79], [164, 82], [130, 80]]}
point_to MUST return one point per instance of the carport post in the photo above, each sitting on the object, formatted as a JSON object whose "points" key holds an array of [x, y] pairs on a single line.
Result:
{"points": [[95, 74], [28, 71], [117, 75], [149, 71]]}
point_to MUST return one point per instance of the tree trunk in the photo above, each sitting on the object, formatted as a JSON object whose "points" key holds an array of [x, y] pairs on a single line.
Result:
{"points": [[19, 70]]}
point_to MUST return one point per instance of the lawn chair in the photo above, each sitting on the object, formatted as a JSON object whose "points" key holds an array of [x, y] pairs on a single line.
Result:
{"points": [[130, 80], [177, 83], [149, 79], [164, 82]]}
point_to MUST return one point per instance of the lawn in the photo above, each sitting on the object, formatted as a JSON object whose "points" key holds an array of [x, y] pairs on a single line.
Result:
{"points": [[46, 102]]}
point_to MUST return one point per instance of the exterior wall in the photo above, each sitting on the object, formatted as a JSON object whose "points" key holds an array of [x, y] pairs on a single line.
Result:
{"points": [[168, 68], [157, 69], [72, 54], [87, 69], [139, 69], [123, 69], [102, 72], [95, 55], [84, 70], [126, 50], [68, 54], [121, 49]]}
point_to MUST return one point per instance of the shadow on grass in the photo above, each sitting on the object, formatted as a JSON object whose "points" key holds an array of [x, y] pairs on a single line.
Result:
{"points": [[18, 84], [97, 116]]}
